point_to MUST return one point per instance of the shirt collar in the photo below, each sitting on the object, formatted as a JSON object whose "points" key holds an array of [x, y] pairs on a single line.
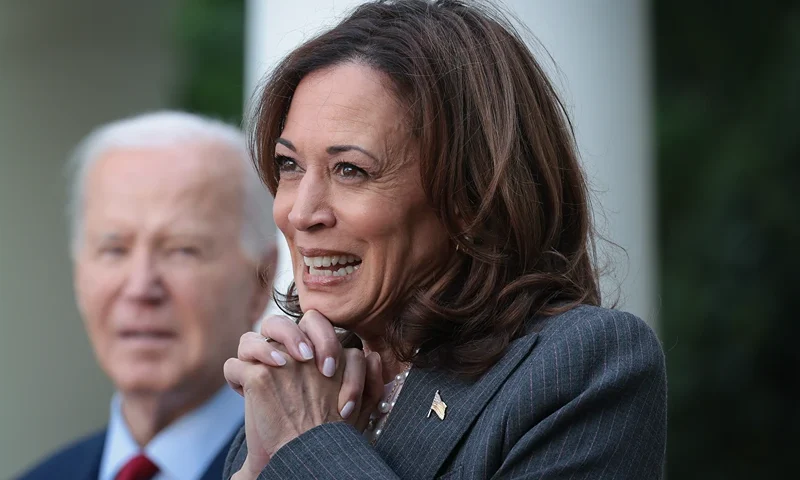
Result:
{"points": [[184, 449]]}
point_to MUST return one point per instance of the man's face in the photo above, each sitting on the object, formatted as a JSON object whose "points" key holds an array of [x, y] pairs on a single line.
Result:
{"points": [[163, 286]]}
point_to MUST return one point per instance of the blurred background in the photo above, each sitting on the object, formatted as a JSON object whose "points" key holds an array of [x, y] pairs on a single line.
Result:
{"points": [[687, 119]]}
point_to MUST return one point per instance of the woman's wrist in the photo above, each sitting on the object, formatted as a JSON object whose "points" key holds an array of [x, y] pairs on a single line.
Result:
{"points": [[241, 475], [247, 472]]}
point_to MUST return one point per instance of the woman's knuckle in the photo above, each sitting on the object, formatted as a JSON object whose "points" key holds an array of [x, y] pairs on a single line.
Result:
{"points": [[355, 355], [228, 365], [262, 376]]}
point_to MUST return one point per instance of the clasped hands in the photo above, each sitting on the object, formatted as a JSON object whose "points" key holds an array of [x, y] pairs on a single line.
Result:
{"points": [[299, 379]]}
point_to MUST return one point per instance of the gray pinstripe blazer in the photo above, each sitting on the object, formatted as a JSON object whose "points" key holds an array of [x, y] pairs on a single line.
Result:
{"points": [[583, 398]]}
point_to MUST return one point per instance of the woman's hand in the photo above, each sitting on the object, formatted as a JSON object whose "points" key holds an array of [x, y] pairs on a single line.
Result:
{"points": [[286, 394]]}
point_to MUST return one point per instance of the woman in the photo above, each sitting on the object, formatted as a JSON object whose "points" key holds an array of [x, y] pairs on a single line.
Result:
{"points": [[426, 181]]}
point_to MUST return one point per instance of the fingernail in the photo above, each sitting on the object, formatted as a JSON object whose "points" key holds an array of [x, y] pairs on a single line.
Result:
{"points": [[278, 358], [348, 409], [329, 367], [306, 351]]}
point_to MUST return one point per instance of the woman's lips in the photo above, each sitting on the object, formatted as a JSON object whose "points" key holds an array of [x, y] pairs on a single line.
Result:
{"points": [[328, 267]]}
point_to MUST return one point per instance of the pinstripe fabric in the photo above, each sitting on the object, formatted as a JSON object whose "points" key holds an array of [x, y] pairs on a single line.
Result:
{"points": [[585, 398]]}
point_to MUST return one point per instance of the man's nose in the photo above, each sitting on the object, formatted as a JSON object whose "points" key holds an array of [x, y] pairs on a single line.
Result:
{"points": [[144, 283]]}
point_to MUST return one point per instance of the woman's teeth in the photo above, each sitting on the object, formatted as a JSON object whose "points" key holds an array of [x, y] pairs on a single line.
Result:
{"points": [[335, 273], [327, 261], [321, 265]]}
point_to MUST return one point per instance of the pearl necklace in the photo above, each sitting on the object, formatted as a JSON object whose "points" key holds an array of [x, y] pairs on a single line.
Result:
{"points": [[378, 420]]}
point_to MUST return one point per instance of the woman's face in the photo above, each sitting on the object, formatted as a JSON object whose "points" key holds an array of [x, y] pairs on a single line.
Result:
{"points": [[349, 201]]}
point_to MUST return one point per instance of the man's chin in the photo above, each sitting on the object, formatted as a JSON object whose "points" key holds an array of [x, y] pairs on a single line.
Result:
{"points": [[146, 382]]}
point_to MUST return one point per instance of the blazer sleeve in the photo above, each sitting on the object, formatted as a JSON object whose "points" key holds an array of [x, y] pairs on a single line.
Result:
{"points": [[329, 451], [597, 404], [237, 452]]}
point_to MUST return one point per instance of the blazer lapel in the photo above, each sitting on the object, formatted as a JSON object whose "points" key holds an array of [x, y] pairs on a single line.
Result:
{"points": [[215, 470], [435, 438], [87, 463]]}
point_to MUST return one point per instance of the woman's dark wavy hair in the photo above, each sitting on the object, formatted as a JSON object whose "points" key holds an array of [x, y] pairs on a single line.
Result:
{"points": [[498, 164]]}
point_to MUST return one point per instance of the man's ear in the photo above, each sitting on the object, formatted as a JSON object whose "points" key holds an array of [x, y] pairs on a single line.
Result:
{"points": [[266, 274]]}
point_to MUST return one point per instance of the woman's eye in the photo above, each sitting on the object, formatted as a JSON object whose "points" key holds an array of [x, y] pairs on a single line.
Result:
{"points": [[285, 164], [348, 170]]}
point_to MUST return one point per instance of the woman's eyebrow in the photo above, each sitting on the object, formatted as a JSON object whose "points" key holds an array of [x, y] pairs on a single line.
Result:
{"points": [[332, 150], [287, 144]]}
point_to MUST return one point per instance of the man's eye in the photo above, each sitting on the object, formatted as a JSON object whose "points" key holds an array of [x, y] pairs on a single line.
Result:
{"points": [[113, 251], [185, 251]]}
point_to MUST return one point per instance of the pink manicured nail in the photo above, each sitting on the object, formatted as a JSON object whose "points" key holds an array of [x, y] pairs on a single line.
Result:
{"points": [[329, 367], [306, 351], [348, 409], [278, 358]]}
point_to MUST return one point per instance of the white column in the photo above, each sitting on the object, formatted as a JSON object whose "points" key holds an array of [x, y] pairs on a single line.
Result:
{"points": [[602, 54]]}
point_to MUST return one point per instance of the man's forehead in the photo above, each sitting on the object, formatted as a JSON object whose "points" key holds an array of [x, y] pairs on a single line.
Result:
{"points": [[121, 232], [168, 173], [171, 162]]}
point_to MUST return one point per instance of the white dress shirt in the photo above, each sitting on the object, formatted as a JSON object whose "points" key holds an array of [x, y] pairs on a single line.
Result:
{"points": [[185, 449]]}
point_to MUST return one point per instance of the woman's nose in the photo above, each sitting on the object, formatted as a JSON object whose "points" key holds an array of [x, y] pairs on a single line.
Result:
{"points": [[311, 208]]}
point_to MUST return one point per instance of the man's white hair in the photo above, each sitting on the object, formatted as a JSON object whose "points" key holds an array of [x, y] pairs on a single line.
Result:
{"points": [[165, 129]]}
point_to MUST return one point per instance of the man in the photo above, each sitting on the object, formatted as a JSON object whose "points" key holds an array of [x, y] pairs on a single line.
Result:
{"points": [[169, 231]]}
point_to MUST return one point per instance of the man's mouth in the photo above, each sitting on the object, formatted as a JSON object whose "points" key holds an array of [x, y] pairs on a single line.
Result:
{"points": [[147, 334]]}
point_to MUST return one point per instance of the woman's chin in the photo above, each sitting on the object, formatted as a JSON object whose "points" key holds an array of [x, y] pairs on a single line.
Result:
{"points": [[337, 313]]}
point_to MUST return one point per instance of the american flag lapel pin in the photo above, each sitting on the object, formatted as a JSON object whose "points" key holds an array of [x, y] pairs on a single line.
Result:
{"points": [[438, 406]]}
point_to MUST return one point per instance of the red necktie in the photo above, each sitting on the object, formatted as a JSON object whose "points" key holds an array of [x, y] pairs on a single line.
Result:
{"points": [[138, 468]]}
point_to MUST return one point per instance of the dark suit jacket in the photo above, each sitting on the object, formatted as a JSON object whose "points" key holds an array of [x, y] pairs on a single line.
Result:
{"points": [[584, 398], [81, 461]]}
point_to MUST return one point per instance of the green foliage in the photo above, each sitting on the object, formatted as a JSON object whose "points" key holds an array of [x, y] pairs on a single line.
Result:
{"points": [[728, 102], [210, 39]]}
